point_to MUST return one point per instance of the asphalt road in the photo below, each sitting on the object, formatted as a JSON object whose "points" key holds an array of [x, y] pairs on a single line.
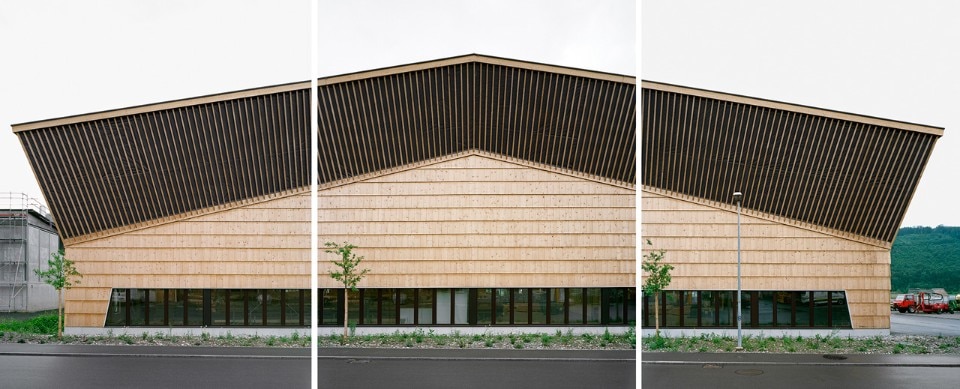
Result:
{"points": [[138, 372], [798, 376], [925, 324], [78, 366], [760, 370], [424, 369]]}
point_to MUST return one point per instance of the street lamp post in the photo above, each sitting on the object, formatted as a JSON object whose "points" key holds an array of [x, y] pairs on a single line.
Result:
{"points": [[738, 197]]}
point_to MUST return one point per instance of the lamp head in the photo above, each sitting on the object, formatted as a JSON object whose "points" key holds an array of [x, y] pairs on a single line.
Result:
{"points": [[737, 197]]}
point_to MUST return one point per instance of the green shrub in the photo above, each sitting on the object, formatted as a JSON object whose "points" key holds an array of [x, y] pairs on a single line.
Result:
{"points": [[42, 324], [545, 340]]}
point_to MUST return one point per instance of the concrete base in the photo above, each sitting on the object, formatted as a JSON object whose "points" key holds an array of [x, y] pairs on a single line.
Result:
{"points": [[615, 330], [185, 331], [774, 332], [325, 331]]}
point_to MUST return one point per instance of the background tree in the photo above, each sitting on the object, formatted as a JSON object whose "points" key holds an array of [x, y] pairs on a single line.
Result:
{"points": [[348, 273], [61, 274], [658, 278]]}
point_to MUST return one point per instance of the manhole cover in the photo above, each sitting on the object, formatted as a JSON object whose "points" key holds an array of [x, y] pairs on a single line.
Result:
{"points": [[835, 357], [358, 361], [749, 372], [712, 366]]}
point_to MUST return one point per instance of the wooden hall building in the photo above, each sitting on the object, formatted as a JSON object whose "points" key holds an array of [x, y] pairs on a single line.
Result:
{"points": [[482, 191], [824, 193]]}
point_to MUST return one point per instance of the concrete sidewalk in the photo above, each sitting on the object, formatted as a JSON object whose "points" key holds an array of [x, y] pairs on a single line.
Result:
{"points": [[720, 359]]}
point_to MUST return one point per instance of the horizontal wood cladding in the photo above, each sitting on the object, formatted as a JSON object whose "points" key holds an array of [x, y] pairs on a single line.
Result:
{"points": [[835, 173], [516, 280], [701, 242], [580, 124], [412, 231], [241, 254], [265, 245], [103, 174]]}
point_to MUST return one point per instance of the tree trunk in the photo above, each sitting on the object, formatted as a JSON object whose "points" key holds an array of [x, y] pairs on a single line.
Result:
{"points": [[656, 312], [346, 312], [59, 314]]}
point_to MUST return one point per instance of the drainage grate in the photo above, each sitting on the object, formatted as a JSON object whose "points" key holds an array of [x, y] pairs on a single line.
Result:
{"points": [[835, 357], [749, 372], [712, 366], [358, 361]]}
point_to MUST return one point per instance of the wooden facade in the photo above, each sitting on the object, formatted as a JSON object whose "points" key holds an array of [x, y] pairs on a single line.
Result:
{"points": [[476, 220], [824, 193], [263, 245], [470, 171], [701, 243]]}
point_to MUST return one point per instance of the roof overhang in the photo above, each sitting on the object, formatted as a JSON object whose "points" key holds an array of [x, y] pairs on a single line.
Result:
{"points": [[933, 130], [844, 174], [109, 171]]}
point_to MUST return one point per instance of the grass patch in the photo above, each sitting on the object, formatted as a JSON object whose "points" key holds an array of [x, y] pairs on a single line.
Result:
{"points": [[41, 325]]}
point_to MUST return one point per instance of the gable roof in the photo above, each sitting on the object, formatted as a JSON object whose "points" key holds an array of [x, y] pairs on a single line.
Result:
{"points": [[109, 170], [831, 170]]}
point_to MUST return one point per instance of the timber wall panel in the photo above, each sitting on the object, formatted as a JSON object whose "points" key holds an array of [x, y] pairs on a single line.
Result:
{"points": [[701, 242], [269, 249], [523, 227]]}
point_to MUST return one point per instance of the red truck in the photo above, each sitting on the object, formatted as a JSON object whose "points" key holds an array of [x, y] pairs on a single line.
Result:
{"points": [[904, 303]]}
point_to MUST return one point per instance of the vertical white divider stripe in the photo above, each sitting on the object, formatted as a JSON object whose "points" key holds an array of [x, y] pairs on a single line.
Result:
{"points": [[314, 222]]}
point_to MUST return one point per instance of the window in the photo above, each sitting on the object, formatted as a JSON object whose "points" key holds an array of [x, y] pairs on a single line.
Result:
{"points": [[273, 309], [330, 301], [292, 308], [502, 306], [576, 306], [370, 302], [708, 308], [539, 305], [670, 307], [388, 306], [461, 306], [691, 302], [484, 306], [425, 306], [760, 309], [407, 307], [207, 307], [444, 302], [558, 300], [615, 306], [521, 306]]}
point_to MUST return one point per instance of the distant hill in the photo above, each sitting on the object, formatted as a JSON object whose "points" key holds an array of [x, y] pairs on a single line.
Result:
{"points": [[926, 257]]}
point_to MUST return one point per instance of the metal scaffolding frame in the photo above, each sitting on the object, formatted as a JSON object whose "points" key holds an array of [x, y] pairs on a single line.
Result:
{"points": [[15, 209]]}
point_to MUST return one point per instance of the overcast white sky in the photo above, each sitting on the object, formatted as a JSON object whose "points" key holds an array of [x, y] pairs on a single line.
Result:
{"points": [[891, 59], [65, 58]]}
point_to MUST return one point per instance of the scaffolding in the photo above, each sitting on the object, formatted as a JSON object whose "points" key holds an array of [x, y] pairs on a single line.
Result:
{"points": [[18, 212]]}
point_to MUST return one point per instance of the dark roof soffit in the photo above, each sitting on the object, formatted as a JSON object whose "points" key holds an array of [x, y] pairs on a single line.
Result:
{"points": [[32, 125], [800, 108]]}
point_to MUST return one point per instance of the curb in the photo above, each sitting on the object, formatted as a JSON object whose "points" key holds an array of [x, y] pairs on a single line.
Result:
{"points": [[328, 357], [743, 363], [110, 355], [538, 359]]}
